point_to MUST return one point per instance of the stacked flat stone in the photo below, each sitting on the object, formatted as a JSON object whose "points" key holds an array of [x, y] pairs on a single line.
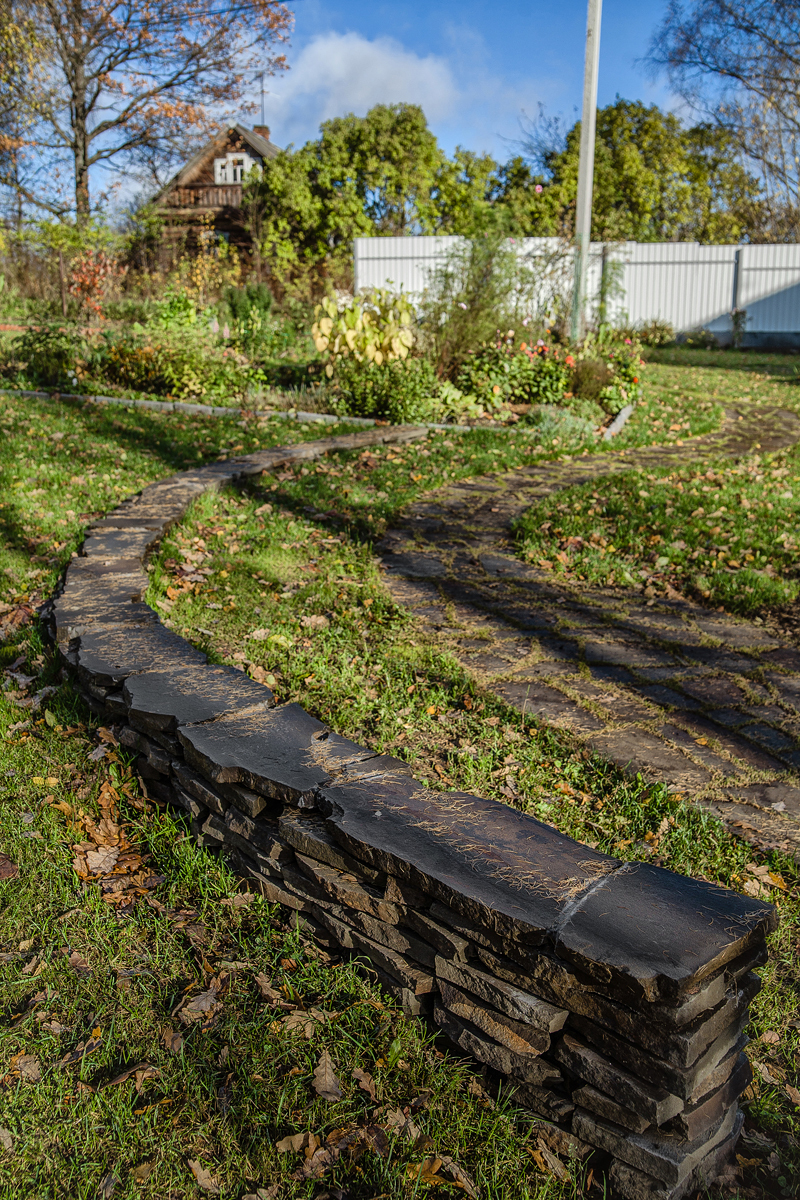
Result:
{"points": [[611, 996]]}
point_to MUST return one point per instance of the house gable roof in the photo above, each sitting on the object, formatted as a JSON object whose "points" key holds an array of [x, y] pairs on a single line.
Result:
{"points": [[262, 147]]}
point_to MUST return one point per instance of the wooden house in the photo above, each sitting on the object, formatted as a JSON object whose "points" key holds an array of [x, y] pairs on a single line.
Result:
{"points": [[211, 185]]}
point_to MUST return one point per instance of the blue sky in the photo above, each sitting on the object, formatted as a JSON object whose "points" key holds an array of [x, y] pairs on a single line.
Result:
{"points": [[475, 67]]}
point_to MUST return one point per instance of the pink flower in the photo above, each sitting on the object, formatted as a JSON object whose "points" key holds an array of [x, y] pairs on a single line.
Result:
{"points": [[628, 342], [540, 342], [461, 305], [538, 188]]}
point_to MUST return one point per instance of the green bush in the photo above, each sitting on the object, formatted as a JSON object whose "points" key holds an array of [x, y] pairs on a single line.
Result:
{"points": [[590, 377], [401, 390], [51, 356], [242, 301], [503, 373], [656, 333], [257, 329], [614, 377], [404, 390], [176, 310], [701, 339], [178, 368]]}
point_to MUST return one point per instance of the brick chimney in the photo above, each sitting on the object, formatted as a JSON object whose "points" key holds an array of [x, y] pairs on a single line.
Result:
{"points": [[263, 130]]}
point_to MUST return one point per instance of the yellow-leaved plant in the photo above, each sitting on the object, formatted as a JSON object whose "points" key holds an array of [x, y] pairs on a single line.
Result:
{"points": [[374, 328]]}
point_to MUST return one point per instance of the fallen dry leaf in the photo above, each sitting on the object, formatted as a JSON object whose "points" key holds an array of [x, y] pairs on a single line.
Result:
{"points": [[319, 1162], [101, 861], [792, 1093], [8, 868], [398, 1122], [80, 1051], [124, 1075], [200, 1008], [205, 1180], [765, 1073], [436, 1170], [107, 1185], [326, 1085], [553, 1162], [307, 1022], [240, 900], [268, 992], [143, 1072], [365, 1082], [79, 965], [294, 1143], [28, 1067], [142, 1173], [172, 1040], [6, 1140], [315, 621]]}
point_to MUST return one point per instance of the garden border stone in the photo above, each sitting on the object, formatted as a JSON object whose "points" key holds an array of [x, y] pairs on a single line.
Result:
{"points": [[512, 937], [292, 414]]}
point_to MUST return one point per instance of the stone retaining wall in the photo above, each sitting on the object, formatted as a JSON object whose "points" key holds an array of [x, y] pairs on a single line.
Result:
{"points": [[612, 996]]}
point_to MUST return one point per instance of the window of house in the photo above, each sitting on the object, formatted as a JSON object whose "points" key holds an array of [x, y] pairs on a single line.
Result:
{"points": [[233, 167]]}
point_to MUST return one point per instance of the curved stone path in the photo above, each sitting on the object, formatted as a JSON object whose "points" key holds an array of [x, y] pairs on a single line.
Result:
{"points": [[705, 703]]}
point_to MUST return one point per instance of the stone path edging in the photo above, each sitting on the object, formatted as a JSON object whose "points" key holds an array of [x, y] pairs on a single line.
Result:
{"points": [[212, 410], [612, 996], [701, 701], [294, 414]]}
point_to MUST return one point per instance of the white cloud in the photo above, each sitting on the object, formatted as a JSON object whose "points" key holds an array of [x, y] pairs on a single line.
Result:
{"points": [[338, 73]]}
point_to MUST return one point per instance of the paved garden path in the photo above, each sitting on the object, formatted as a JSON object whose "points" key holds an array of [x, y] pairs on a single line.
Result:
{"points": [[701, 701]]}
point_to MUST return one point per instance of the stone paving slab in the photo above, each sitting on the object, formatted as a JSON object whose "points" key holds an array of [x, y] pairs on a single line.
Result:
{"points": [[703, 702]]}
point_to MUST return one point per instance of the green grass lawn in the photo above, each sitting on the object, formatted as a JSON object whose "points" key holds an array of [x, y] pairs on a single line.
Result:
{"points": [[90, 988], [727, 534], [724, 533]]}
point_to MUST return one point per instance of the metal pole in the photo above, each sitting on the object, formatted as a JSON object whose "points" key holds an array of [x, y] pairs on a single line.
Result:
{"points": [[263, 117], [583, 210]]}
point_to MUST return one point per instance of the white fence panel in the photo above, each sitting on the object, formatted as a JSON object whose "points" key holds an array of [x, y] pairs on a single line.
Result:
{"points": [[407, 263], [403, 262], [688, 285], [769, 288]]}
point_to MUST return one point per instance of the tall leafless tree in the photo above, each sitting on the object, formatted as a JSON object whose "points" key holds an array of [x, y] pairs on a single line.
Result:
{"points": [[738, 61], [139, 81]]}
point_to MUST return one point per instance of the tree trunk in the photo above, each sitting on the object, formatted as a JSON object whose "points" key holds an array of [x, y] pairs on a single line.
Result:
{"points": [[80, 133], [81, 180]]}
